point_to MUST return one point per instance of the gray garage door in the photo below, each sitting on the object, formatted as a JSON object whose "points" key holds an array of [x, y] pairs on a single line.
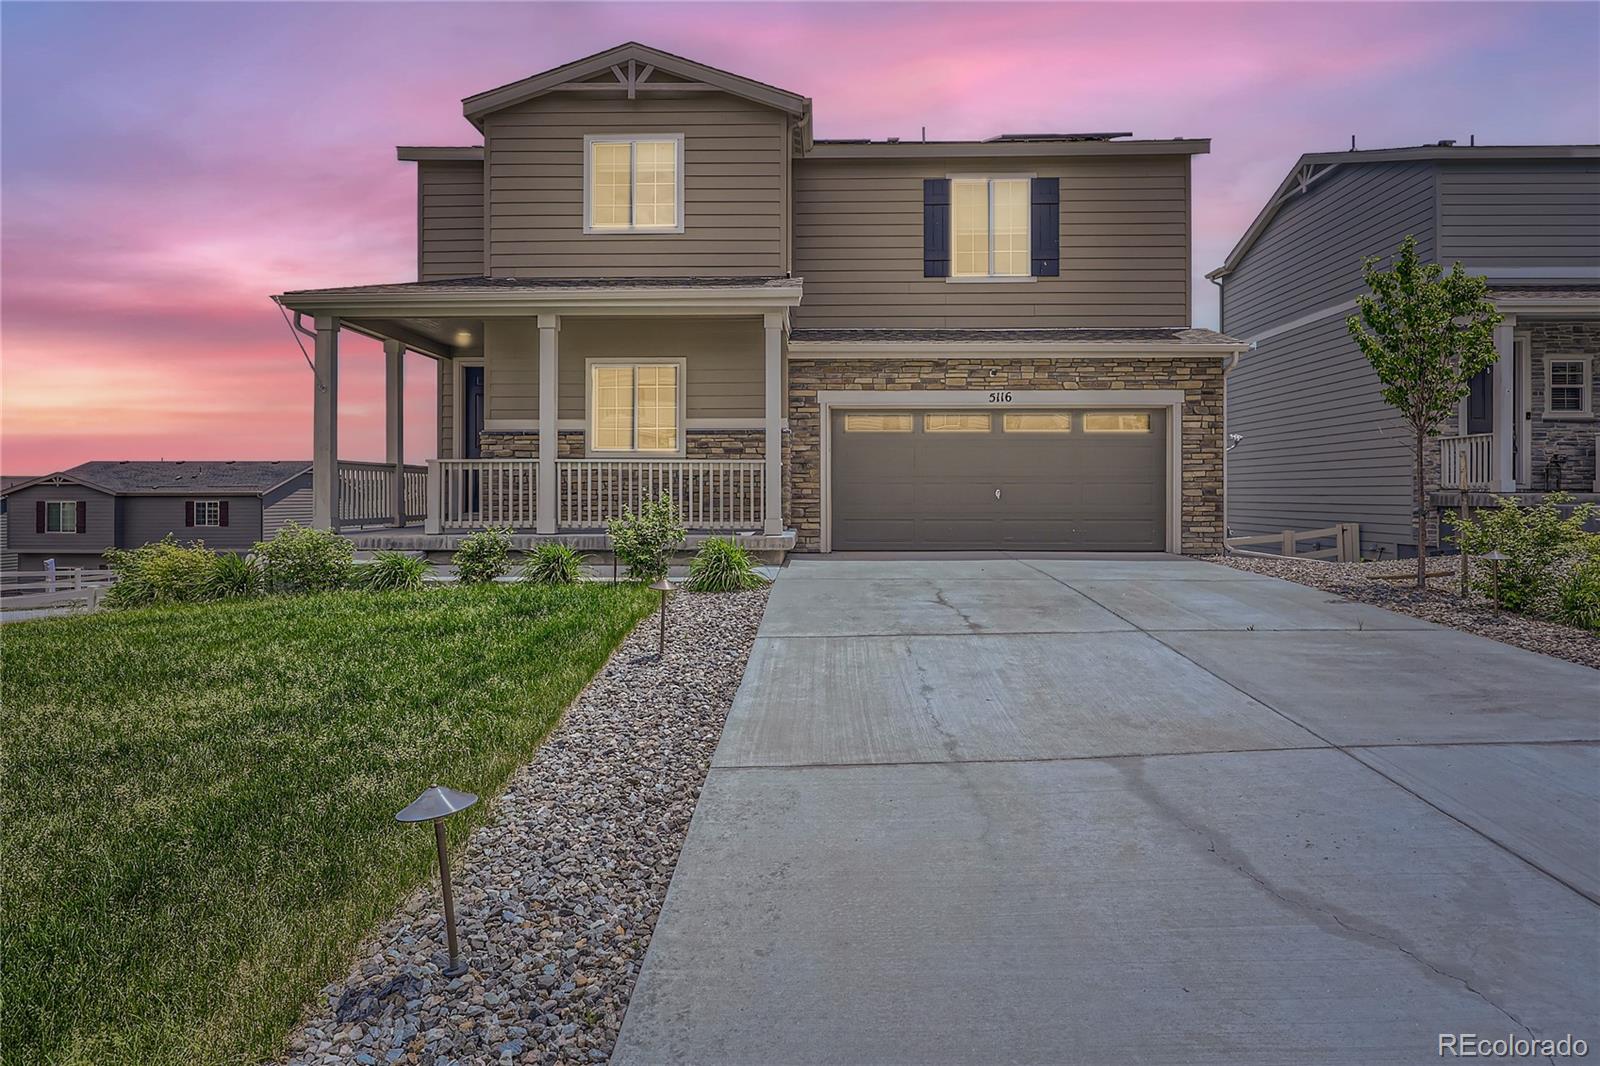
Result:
{"points": [[1043, 480]]}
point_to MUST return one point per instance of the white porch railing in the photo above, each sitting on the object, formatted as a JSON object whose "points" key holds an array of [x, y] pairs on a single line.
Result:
{"points": [[366, 494], [720, 494], [474, 493], [1467, 462]]}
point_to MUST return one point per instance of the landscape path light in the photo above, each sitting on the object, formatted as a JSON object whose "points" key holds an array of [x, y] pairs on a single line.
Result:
{"points": [[1494, 558], [666, 588], [435, 805]]}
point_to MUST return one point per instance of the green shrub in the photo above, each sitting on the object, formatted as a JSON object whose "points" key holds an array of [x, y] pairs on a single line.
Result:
{"points": [[722, 566], [1578, 599], [390, 570], [1538, 545], [554, 564], [298, 559], [161, 572], [483, 556], [235, 577], [644, 541]]}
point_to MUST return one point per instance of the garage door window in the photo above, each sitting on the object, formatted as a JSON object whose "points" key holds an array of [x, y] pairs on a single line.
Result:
{"points": [[1037, 422], [954, 423], [1116, 422], [877, 424]]}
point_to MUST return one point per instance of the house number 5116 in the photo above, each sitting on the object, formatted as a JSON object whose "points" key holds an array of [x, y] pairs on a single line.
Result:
{"points": [[999, 397]]}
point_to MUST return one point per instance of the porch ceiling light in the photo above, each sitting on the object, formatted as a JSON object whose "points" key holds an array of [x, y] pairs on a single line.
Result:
{"points": [[666, 588], [462, 338], [435, 805]]}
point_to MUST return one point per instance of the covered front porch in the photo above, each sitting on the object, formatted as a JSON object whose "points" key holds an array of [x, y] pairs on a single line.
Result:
{"points": [[562, 405]]}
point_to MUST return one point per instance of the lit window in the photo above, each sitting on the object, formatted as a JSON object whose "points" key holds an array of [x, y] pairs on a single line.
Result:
{"points": [[61, 516], [634, 185], [990, 224], [207, 513], [635, 407], [878, 424], [954, 423], [1568, 387], [1116, 422], [1038, 422]]}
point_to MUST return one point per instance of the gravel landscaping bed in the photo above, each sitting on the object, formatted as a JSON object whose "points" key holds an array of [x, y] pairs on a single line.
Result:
{"points": [[1439, 603], [557, 895]]}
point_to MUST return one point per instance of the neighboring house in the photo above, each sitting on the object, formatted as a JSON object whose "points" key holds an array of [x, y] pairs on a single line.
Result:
{"points": [[1319, 445], [8, 558], [74, 515], [650, 276]]}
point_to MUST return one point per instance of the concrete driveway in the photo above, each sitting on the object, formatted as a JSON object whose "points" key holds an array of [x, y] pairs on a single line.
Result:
{"points": [[1150, 810]]}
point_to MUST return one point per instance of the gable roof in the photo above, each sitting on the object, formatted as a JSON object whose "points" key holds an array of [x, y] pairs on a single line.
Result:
{"points": [[644, 59], [1314, 166], [180, 477]]}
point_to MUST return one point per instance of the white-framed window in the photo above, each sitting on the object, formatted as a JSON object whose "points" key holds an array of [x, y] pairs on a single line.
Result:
{"points": [[208, 512], [633, 183], [1568, 386], [990, 227], [1116, 422], [636, 406], [861, 423], [61, 516]]}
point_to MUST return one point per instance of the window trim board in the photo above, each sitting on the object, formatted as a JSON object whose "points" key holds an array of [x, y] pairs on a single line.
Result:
{"points": [[587, 220]]}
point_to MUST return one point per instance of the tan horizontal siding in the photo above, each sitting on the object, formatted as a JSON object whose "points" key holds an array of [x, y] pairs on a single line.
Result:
{"points": [[734, 210], [450, 219], [1124, 246]]}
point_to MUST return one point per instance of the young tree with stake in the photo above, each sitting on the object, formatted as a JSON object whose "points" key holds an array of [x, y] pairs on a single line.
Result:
{"points": [[1427, 334]]}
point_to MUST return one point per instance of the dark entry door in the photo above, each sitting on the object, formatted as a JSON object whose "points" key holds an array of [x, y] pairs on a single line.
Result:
{"points": [[471, 412], [1480, 402]]}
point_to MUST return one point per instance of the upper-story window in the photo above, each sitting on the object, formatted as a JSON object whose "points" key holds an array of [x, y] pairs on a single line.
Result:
{"points": [[633, 184], [207, 513], [989, 220], [61, 516]]}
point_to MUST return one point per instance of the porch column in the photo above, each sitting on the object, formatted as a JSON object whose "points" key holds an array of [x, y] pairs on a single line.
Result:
{"points": [[773, 378], [394, 391], [325, 428], [545, 491], [1505, 400]]}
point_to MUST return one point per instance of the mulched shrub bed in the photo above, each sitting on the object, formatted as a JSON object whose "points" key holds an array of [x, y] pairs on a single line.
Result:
{"points": [[1440, 602], [557, 894]]}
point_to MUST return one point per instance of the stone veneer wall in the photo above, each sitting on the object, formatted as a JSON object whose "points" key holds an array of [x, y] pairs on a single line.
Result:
{"points": [[700, 444], [1572, 438], [1199, 378]]}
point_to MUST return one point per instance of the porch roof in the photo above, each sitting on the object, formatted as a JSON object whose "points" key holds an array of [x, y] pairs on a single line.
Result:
{"points": [[1567, 299], [1178, 340]]}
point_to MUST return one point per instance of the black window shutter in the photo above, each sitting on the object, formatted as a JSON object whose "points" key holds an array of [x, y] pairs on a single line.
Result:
{"points": [[38, 517], [222, 513], [188, 512], [1046, 226], [83, 517], [936, 227]]}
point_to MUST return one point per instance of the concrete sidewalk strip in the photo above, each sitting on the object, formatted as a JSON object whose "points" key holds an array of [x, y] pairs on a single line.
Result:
{"points": [[917, 699], [1260, 908], [1420, 687], [890, 606], [1251, 604], [1541, 801]]}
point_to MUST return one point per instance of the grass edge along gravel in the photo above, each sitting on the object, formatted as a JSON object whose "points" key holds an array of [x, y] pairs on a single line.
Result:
{"points": [[200, 822]]}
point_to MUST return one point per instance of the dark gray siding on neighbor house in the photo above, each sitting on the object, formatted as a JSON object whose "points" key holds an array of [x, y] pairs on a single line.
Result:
{"points": [[290, 502], [1124, 235], [1310, 255], [149, 518], [1320, 446], [449, 219], [1528, 214], [99, 533]]}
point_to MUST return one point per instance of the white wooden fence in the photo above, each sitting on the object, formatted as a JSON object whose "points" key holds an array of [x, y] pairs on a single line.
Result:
{"points": [[1346, 537], [710, 494], [53, 587], [1467, 462]]}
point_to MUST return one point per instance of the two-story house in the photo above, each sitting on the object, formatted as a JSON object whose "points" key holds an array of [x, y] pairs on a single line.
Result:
{"points": [[1318, 444], [650, 276]]}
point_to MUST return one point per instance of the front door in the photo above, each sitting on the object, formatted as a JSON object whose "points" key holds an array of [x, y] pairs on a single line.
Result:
{"points": [[471, 412], [1480, 402]]}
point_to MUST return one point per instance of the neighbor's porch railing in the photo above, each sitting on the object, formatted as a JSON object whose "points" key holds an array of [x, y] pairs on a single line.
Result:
{"points": [[366, 494], [1467, 462], [720, 494], [474, 493]]}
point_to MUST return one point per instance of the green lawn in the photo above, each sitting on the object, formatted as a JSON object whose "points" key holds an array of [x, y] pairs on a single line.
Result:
{"points": [[198, 825]]}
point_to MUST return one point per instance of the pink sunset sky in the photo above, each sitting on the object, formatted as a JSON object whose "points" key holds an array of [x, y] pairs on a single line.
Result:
{"points": [[167, 167]]}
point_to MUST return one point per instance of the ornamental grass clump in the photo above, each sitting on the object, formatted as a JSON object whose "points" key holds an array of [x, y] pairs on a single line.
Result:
{"points": [[722, 566], [299, 560], [644, 541], [554, 564], [234, 577], [390, 570], [483, 556]]}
